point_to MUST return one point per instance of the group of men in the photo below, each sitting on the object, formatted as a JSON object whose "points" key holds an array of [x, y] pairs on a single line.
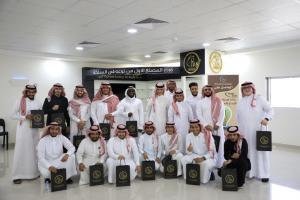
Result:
{"points": [[172, 128]]}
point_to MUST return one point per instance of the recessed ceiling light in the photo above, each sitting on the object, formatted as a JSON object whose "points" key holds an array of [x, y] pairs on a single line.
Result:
{"points": [[132, 30], [205, 44], [147, 56], [79, 48]]}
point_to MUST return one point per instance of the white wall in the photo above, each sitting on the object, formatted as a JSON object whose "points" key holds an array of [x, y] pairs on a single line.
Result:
{"points": [[256, 66]]}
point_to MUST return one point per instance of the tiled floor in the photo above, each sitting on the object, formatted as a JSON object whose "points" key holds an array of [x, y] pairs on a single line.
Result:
{"points": [[284, 184]]}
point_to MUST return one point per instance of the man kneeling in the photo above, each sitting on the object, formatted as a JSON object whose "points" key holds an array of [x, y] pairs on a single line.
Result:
{"points": [[122, 148], [200, 148], [51, 156], [92, 150]]}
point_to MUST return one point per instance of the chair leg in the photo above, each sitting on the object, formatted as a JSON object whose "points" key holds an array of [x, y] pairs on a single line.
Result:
{"points": [[7, 142]]}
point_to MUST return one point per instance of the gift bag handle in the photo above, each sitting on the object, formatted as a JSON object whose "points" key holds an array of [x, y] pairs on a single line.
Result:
{"points": [[121, 162], [261, 127]]}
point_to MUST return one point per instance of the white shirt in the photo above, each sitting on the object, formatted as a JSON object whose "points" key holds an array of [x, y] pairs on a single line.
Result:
{"points": [[165, 140], [193, 100], [199, 145], [150, 144]]}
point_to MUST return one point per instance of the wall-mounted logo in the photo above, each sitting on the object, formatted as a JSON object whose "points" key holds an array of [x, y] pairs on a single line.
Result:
{"points": [[191, 63], [215, 62]]}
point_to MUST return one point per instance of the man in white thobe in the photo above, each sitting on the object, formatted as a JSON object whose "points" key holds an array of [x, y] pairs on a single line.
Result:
{"points": [[149, 145], [51, 156], [92, 150], [194, 98], [180, 112], [25, 159], [253, 114], [130, 108], [157, 108], [200, 149], [170, 146], [79, 112], [210, 112], [122, 149], [104, 103], [171, 87]]}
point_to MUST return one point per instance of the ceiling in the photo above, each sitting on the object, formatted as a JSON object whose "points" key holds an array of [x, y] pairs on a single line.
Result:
{"points": [[55, 27]]}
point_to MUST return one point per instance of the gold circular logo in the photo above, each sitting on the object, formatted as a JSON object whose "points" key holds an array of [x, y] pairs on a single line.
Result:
{"points": [[148, 170], [264, 140], [193, 173], [58, 120], [37, 118], [123, 175], [229, 179], [104, 130], [215, 62], [58, 179], [96, 174], [191, 62], [170, 168], [131, 128]]}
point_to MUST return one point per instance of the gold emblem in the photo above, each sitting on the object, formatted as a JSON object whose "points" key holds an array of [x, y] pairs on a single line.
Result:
{"points": [[170, 168], [131, 128], [229, 179], [264, 140], [37, 118], [96, 174], [193, 173], [191, 62], [123, 175], [58, 120], [215, 62], [148, 170], [104, 130], [58, 179]]}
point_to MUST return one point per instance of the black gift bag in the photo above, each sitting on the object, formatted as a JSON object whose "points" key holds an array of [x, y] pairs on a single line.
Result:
{"points": [[37, 119], [58, 118], [122, 175], [132, 128], [105, 128], [264, 140], [58, 180], [148, 170], [229, 179], [217, 141], [193, 174], [170, 169], [77, 139], [96, 174]]}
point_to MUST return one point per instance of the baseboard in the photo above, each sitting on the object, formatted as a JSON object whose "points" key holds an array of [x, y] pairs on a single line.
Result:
{"points": [[286, 146]]}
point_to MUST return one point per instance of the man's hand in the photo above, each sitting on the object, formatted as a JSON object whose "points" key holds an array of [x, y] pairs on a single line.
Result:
{"points": [[121, 157], [209, 127], [81, 124], [227, 162], [130, 114], [108, 116], [138, 169], [65, 158], [52, 169], [235, 156], [81, 167], [145, 155], [29, 116], [172, 152], [157, 160], [190, 148], [216, 127], [264, 122], [55, 107], [198, 160]]}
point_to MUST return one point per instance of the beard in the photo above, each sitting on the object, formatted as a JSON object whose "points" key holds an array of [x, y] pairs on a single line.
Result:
{"points": [[195, 94], [94, 139], [30, 97], [207, 95]]}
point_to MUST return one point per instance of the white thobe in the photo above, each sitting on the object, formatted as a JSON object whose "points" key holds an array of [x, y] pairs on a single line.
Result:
{"points": [[151, 145], [88, 153], [205, 117], [165, 149], [133, 105], [169, 96], [193, 100], [200, 150], [25, 158], [249, 119], [126, 147], [50, 153], [159, 116], [84, 116], [182, 121]]}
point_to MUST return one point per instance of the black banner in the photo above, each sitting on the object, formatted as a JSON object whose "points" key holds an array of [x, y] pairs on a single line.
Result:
{"points": [[134, 74], [192, 62]]}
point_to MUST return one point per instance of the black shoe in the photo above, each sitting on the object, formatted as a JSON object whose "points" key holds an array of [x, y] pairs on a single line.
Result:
{"points": [[264, 180], [17, 181], [220, 172], [47, 180], [69, 181], [212, 176]]}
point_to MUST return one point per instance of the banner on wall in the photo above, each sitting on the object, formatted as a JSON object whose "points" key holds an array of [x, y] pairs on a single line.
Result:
{"points": [[192, 62], [227, 88]]}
